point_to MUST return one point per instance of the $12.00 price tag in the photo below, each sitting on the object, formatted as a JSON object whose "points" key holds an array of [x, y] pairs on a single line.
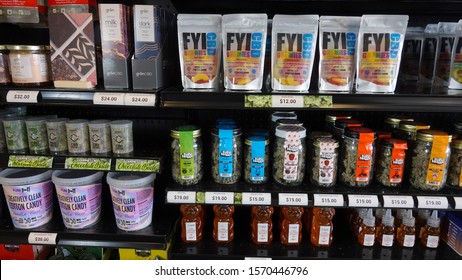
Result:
{"points": [[140, 99], [106, 98], [42, 238], [256, 198], [290, 101], [293, 199], [328, 200], [398, 201], [181, 197], [22, 96], [356, 200], [219, 198], [433, 202]]}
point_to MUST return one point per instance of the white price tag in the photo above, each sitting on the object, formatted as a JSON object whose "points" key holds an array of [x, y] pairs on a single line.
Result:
{"points": [[398, 201], [458, 201], [357, 200], [140, 99], [256, 259], [108, 98], [293, 199], [287, 101], [22, 96], [256, 198], [433, 202], [42, 238], [219, 198], [328, 200], [181, 197]]}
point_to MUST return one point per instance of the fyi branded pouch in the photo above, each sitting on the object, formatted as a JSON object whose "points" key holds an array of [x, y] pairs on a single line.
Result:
{"points": [[409, 70], [293, 50], [428, 54], [244, 42], [199, 43], [380, 43], [455, 81], [446, 34], [337, 49]]}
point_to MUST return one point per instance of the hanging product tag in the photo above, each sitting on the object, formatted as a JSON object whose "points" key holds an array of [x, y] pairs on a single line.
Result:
{"points": [[437, 162], [291, 146], [326, 162], [186, 155], [257, 169], [364, 160], [398, 155], [226, 153]]}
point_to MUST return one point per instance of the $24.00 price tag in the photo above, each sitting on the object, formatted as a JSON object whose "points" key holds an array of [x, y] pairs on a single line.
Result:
{"points": [[140, 99], [356, 200], [181, 197], [293, 199], [42, 238], [398, 201], [290, 101], [219, 198], [22, 96], [256, 198], [458, 201], [328, 200], [433, 202], [106, 98]]}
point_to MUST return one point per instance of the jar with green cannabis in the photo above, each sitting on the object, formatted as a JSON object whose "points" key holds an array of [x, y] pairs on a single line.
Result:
{"points": [[226, 154], [323, 162], [16, 135], [407, 130], [357, 157], [455, 165], [37, 135], [281, 115], [310, 144], [389, 167], [392, 122], [256, 156], [341, 125], [289, 155], [186, 149], [430, 160], [330, 121]]}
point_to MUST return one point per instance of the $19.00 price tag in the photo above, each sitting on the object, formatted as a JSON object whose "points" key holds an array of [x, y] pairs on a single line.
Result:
{"points": [[433, 202], [181, 197], [356, 200], [42, 238], [295, 199], [106, 98], [140, 99], [219, 198], [22, 96], [290, 101], [328, 200], [398, 201], [256, 198]]}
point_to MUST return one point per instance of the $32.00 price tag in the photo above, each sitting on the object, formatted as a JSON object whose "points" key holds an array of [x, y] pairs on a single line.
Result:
{"points": [[42, 238], [106, 98], [256, 198], [356, 200], [140, 99], [287, 101], [398, 201], [181, 197], [328, 200], [433, 202], [219, 198], [293, 199], [22, 96]]}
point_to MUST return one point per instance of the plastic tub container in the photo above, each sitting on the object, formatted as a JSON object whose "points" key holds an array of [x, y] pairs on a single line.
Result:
{"points": [[77, 137], [122, 137], [132, 198], [79, 197], [100, 137], [29, 195]]}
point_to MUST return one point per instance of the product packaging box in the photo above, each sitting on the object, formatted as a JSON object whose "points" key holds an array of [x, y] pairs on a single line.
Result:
{"points": [[116, 42], [73, 57], [22, 11], [24, 252], [453, 234]]}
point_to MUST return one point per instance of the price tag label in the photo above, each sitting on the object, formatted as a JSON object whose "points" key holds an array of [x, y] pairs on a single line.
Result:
{"points": [[105, 98], [22, 96], [328, 200], [287, 101], [293, 199], [103, 164], [256, 198], [42, 238], [219, 198], [140, 99], [181, 197], [138, 165], [458, 201], [398, 201], [356, 200], [433, 202], [30, 161]]}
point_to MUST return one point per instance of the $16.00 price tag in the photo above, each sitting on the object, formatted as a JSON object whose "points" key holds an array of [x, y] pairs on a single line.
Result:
{"points": [[106, 98], [181, 197], [22, 96], [256, 198], [140, 99], [290, 101], [356, 200], [42, 238], [398, 201], [295, 199], [329, 200], [219, 198], [433, 202]]}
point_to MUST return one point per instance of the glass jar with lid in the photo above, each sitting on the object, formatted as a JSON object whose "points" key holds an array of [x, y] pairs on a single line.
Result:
{"points": [[430, 160], [389, 167], [5, 77], [281, 115], [455, 164], [289, 121], [330, 119], [407, 130], [323, 162], [226, 154], [186, 151], [357, 157], [256, 154], [342, 124], [392, 122], [310, 143], [289, 155], [30, 65]]}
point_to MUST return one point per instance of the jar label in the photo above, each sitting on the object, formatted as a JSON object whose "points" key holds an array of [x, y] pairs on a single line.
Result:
{"points": [[77, 139], [294, 231], [369, 239], [409, 240], [57, 138], [29, 68], [432, 241], [37, 135], [324, 235], [262, 232], [364, 160], [100, 139], [326, 163], [292, 149], [190, 231], [223, 231], [186, 155], [225, 153], [257, 169], [398, 155], [122, 139], [387, 240], [437, 162]]}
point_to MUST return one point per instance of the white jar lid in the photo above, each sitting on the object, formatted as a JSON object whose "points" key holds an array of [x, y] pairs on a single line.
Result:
{"points": [[130, 180], [77, 123], [76, 177], [99, 123], [57, 121], [282, 130], [21, 177], [122, 123]]}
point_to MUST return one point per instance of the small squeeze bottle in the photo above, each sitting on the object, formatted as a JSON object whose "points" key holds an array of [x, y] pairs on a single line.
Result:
{"points": [[386, 230], [367, 234], [262, 225], [223, 223], [406, 233], [431, 233]]}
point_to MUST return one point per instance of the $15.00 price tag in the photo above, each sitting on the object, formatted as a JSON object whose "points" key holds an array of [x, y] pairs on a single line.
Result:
{"points": [[219, 198], [328, 200], [181, 197], [356, 200], [287, 101], [140, 99], [42, 238], [293, 199], [433, 202], [106, 98], [256, 198], [398, 201], [22, 96]]}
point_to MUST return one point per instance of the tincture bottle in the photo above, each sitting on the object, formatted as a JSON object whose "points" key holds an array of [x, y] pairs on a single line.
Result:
{"points": [[431, 233], [367, 234], [406, 233], [386, 230]]}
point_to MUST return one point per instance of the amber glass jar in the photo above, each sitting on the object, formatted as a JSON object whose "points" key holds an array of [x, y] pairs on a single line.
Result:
{"points": [[30, 65]]}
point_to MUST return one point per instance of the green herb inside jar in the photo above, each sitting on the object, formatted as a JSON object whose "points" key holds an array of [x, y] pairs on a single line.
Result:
{"points": [[186, 149], [390, 162], [37, 135], [455, 164], [256, 165], [226, 154], [16, 135], [323, 164]]}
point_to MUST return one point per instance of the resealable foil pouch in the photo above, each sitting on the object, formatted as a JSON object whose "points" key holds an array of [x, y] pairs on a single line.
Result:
{"points": [[199, 44], [428, 54], [292, 51], [244, 42], [380, 43], [409, 70], [337, 50], [446, 34], [455, 81]]}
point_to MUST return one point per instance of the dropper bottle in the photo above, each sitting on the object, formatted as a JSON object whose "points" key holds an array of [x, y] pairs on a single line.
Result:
{"points": [[362, 212], [431, 233], [406, 233], [400, 213], [386, 230], [379, 213], [367, 234], [421, 221]]}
